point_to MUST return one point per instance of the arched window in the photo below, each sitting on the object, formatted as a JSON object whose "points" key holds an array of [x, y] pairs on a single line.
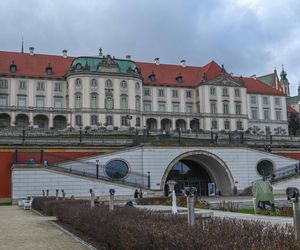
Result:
{"points": [[108, 83], [109, 103], [124, 84], [78, 83], [138, 103], [137, 86], [93, 83], [94, 120], [94, 102], [78, 103], [124, 102]]}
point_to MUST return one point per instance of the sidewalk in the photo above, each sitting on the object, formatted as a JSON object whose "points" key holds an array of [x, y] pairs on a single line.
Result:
{"points": [[23, 229]]}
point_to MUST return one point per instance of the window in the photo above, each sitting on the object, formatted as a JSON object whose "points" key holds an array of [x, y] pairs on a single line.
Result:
{"points": [[78, 101], [124, 121], [94, 83], [265, 100], [161, 92], [123, 84], [94, 120], [237, 92], [239, 125], [138, 122], [116, 169], [94, 101], [3, 84], [40, 102], [254, 113], [225, 91], [78, 83], [265, 168], [197, 92], [266, 114], [213, 107], [147, 106], [253, 99], [188, 94], [57, 87], [58, 102], [21, 101], [212, 91], [226, 108], [278, 115], [189, 108], [40, 86], [175, 107], [123, 102], [175, 93], [78, 120], [109, 104], [162, 107], [22, 84], [108, 83], [137, 86], [146, 92], [179, 79], [214, 124], [277, 101], [226, 125], [109, 120], [237, 108], [138, 103], [3, 100]]}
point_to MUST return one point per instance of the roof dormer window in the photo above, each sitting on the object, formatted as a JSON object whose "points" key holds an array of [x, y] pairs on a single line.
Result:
{"points": [[179, 79], [49, 70], [78, 66], [13, 67], [152, 77]]}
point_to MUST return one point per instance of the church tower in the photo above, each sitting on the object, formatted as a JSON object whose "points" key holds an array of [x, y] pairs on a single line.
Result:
{"points": [[284, 82]]}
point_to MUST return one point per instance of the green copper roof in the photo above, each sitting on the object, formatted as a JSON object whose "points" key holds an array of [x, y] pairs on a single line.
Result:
{"points": [[267, 79], [93, 63], [292, 100]]}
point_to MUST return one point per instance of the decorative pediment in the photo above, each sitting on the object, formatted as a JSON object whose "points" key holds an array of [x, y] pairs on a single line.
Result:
{"points": [[108, 64], [226, 80]]}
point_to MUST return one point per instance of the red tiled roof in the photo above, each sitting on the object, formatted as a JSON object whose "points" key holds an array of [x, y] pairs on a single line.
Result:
{"points": [[33, 66], [255, 86], [165, 74], [289, 109]]}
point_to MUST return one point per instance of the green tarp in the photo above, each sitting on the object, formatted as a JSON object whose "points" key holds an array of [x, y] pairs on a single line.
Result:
{"points": [[262, 192]]}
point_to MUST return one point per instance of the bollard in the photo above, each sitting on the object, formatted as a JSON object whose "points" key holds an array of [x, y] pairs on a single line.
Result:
{"points": [[63, 194], [296, 211], [92, 198], [191, 210], [43, 191], [56, 194], [47, 192], [111, 199]]}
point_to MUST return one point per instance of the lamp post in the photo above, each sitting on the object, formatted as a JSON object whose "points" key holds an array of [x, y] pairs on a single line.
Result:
{"points": [[129, 117], [97, 169], [23, 136], [211, 135], [197, 126], [80, 134], [179, 135], [242, 135]]}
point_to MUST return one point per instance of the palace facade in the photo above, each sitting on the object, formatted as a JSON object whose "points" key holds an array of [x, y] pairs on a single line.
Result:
{"points": [[60, 92]]}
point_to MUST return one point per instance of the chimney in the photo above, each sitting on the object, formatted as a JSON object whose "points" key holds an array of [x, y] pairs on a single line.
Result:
{"points": [[156, 60], [182, 62], [128, 57], [31, 51], [253, 76], [65, 53]]}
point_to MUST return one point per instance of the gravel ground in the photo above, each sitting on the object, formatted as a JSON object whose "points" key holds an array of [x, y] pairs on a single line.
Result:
{"points": [[24, 229]]}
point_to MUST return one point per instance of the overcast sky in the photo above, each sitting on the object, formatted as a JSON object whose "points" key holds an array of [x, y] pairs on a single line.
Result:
{"points": [[247, 36]]}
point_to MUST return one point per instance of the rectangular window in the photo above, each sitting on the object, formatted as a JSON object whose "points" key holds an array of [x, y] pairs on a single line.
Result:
{"points": [[3, 84], [21, 101], [22, 84], [138, 122], [78, 101], [213, 107], [253, 99], [212, 91], [147, 92], [109, 120], [266, 114], [265, 100], [174, 93], [93, 101], [239, 125], [226, 125], [225, 91], [237, 108], [175, 107], [214, 124], [188, 94], [40, 86], [57, 87], [254, 113], [189, 108], [197, 92], [124, 103], [109, 104], [277, 101], [161, 92], [226, 108], [237, 92], [124, 121], [94, 120], [3, 100], [138, 103], [58, 103], [40, 102], [147, 106], [162, 107], [78, 120], [278, 115]]}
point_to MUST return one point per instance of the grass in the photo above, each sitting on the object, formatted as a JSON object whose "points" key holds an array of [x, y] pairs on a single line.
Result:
{"points": [[6, 203], [246, 211]]}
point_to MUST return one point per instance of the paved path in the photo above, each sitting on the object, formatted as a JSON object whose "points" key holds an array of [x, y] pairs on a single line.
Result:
{"points": [[24, 229], [272, 219]]}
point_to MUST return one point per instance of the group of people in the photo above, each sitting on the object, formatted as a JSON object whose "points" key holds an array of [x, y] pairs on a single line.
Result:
{"points": [[138, 194]]}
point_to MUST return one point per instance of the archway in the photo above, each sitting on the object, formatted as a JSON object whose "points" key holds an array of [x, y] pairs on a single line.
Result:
{"points": [[151, 124], [198, 168], [59, 122], [166, 124], [41, 121], [22, 121], [195, 125], [4, 121], [180, 123]]}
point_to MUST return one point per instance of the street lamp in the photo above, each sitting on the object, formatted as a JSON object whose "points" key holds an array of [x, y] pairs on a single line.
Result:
{"points": [[129, 117], [80, 134], [242, 135], [197, 125], [97, 169], [211, 135], [179, 134]]}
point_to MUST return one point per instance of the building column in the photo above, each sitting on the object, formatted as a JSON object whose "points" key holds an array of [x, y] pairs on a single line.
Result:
{"points": [[13, 119], [30, 119], [158, 123], [173, 123], [50, 121]]}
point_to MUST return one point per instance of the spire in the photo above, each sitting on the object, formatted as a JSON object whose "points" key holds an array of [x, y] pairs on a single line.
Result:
{"points": [[22, 49], [100, 52], [283, 74]]}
